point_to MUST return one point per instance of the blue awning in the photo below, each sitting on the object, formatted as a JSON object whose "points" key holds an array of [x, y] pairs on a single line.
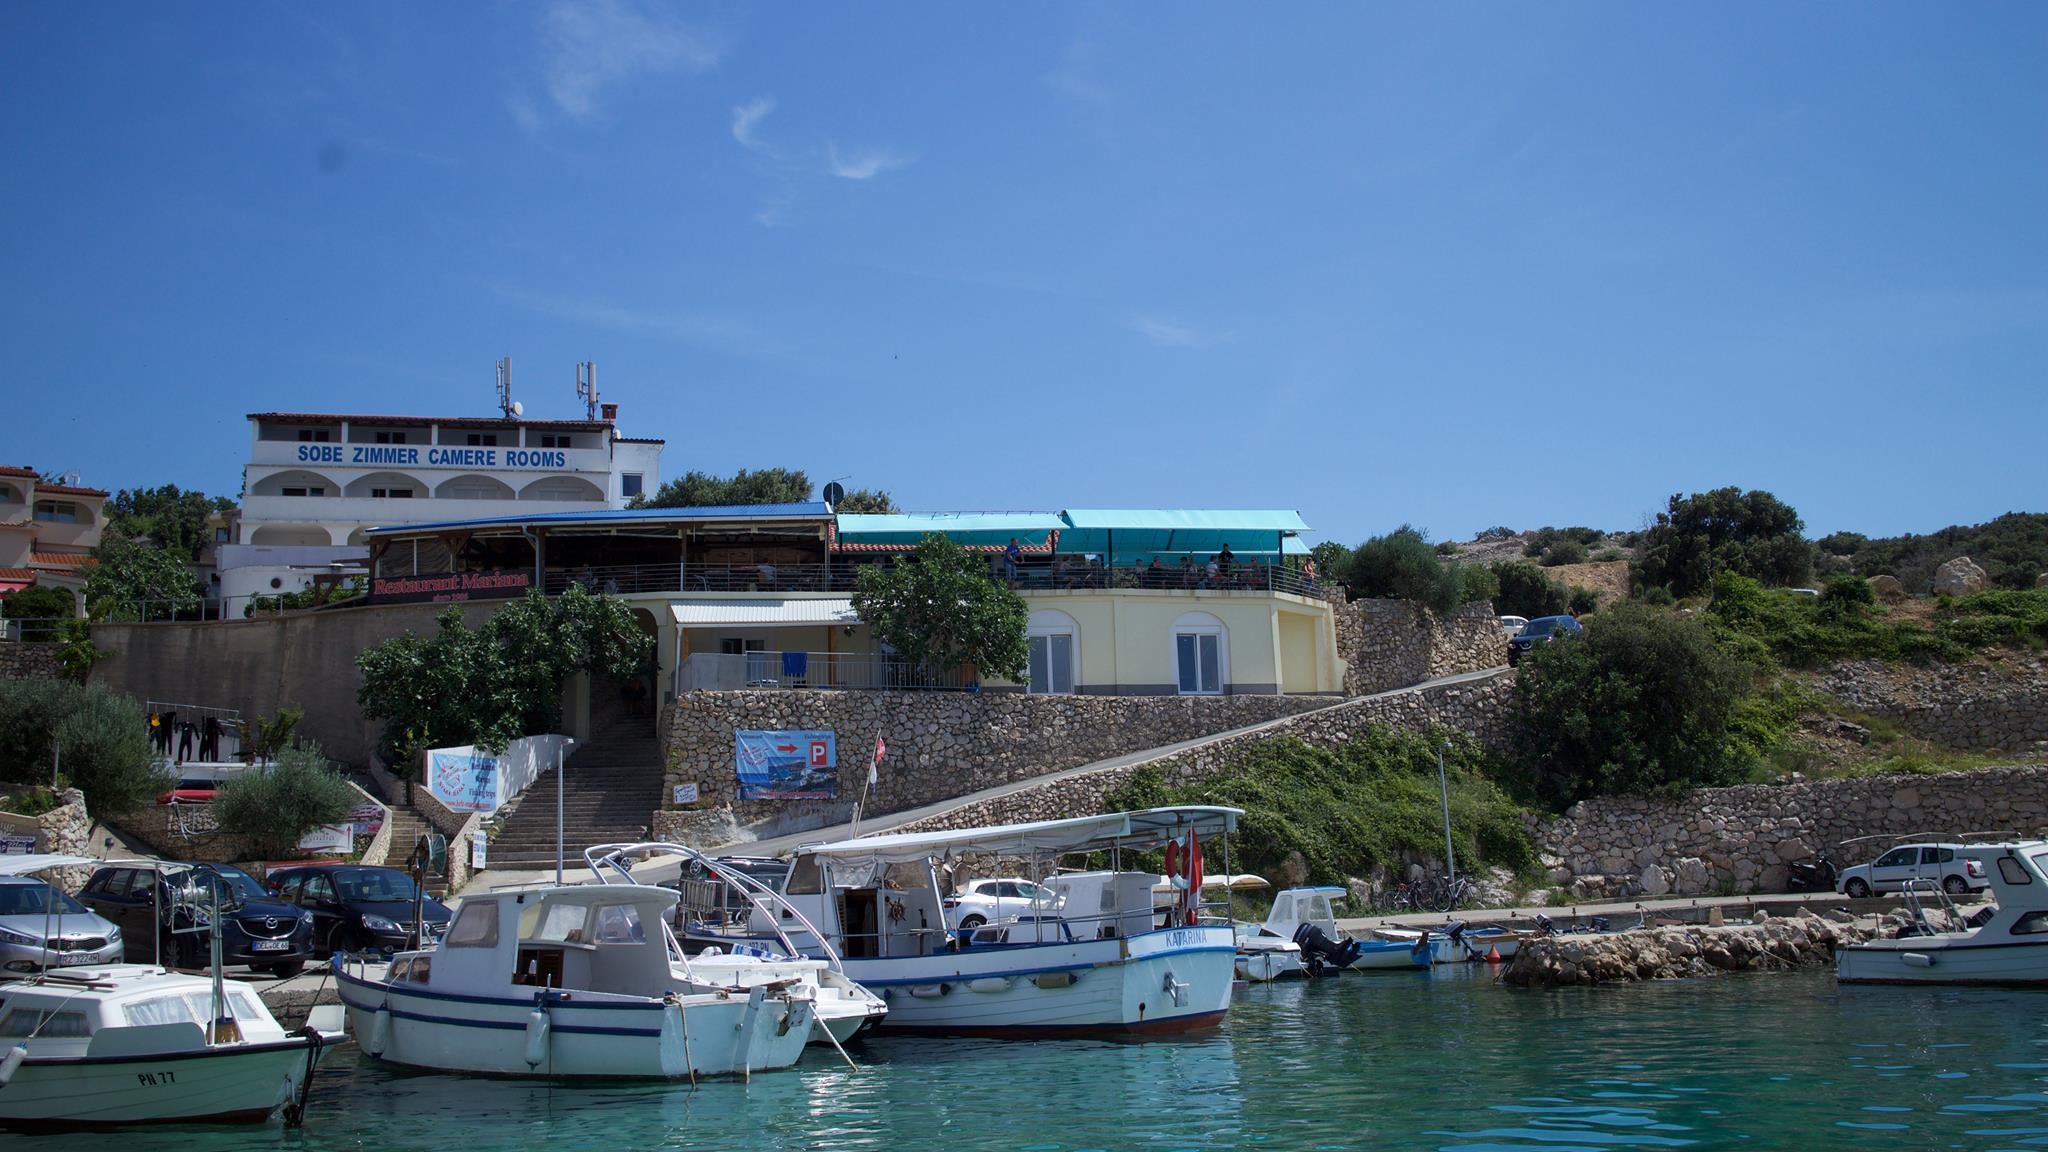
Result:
{"points": [[966, 528], [1139, 533]]}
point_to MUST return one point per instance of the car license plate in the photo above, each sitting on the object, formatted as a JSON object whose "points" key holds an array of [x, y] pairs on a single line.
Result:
{"points": [[69, 958], [272, 945]]}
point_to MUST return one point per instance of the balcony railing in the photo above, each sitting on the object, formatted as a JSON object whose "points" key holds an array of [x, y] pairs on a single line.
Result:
{"points": [[734, 671], [1034, 575]]}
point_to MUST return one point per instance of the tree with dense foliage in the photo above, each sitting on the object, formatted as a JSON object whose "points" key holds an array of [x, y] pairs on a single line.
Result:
{"points": [[1332, 560], [1752, 533], [941, 612], [490, 685], [1643, 701], [704, 490], [173, 519], [1402, 565], [874, 501], [99, 741], [136, 581], [2012, 550], [277, 805], [41, 608], [1525, 591]]}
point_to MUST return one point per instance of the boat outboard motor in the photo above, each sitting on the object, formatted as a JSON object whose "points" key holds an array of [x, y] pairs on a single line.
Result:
{"points": [[1544, 925], [1319, 951]]}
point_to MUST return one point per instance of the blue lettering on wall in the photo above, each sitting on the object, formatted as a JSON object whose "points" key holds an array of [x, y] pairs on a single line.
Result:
{"points": [[320, 453], [383, 454]]}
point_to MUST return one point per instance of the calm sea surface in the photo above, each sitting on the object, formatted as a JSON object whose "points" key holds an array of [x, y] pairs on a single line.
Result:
{"points": [[1437, 1060]]}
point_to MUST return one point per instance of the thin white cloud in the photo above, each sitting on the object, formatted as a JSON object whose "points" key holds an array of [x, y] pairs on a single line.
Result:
{"points": [[683, 327], [863, 164], [589, 46], [774, 211], [746, 118], [1175, 334]]}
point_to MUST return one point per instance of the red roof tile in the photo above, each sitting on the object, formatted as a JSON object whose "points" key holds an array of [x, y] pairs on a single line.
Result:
{"points": [[17, 574], [60, 559], [67, 490], [7, 470]]}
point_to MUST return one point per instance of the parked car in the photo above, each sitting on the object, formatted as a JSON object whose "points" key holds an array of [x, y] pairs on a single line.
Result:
{"points": [[256, 929], [30, 908], [984, 901], [358, 907], [1513, 624], [1936, 862], [1541, 630]]}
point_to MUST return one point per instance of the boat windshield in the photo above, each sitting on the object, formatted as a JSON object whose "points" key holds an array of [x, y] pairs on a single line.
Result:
{"points": [[36, 900], [2040, 860]]}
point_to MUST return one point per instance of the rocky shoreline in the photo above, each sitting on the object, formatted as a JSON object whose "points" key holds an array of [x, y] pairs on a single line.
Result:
{"points": [[1770, 945]]}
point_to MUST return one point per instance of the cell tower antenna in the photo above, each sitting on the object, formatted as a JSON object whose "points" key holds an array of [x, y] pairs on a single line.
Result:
{"points": [[586, 388], [510, 407]]}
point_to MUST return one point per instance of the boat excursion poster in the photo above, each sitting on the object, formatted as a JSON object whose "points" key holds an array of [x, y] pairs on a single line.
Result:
{"points": [[802, 765], [463, 779]]}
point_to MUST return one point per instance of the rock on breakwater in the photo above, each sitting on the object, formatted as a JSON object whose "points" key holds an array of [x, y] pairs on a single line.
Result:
{"points": [[1777, 944]]}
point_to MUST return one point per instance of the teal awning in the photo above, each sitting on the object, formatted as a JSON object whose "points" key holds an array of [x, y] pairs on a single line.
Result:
{"points": [[966, 528], [1170, 532]]}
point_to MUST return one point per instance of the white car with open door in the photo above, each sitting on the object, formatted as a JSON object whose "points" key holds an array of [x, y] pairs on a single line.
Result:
{"points": [[1937, 863]]}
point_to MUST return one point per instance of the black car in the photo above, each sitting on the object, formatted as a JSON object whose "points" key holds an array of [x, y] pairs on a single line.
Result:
{"points": [[257, 929], [358, 907], [1541, 630]]}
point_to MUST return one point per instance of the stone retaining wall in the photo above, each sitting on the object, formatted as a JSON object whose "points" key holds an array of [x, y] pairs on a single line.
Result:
{"points": [[1741, 839], [1483, 707], [941, 745], [25, 661], [65, 830], [1389, 644], [1988, 706]]}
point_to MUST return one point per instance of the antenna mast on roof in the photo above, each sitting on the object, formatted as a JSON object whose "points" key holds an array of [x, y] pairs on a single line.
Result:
{"points": [[506, 403], [586, 388]]}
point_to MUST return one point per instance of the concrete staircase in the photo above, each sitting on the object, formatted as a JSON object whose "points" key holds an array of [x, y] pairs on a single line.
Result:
{"points": [[613, 787], [407, 826]]}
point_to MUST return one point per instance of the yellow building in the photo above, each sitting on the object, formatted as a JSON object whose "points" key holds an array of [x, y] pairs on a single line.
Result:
{"points": [[1122, 602]]}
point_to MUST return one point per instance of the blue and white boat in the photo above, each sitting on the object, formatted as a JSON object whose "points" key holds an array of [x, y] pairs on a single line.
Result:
{"points": [[1101, 961], [1303, 914]]}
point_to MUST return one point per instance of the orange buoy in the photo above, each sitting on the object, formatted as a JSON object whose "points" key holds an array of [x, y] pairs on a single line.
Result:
{"points": [[1493, 955]]}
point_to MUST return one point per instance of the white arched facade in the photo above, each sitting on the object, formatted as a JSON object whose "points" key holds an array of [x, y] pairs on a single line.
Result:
{"points": [[561, 488], [1053, 640], [387, 485], [295, 483], [470, 486], [1199, 654], [291, 534]]}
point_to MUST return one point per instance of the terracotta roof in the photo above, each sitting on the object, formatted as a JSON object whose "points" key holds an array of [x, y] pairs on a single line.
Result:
{"points": [[450, 421], [17, 574], [60, 559], [22, 523], [7, 470], [67, 490]]}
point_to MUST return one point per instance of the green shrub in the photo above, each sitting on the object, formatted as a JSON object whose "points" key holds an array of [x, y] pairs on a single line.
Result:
{"points": [[1583, 601], [1497, 532], [101, 738], [1751, 533], [1477, 582], [1349, 807], [1845, 623], [1641, 702], [2013, 550], [1525, 591], [1609, 555], [1401, 565], [42, 610], [276, 806], [31, 801], [1564, 552]]}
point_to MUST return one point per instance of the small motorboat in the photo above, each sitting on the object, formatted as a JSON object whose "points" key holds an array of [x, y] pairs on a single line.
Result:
{"points": [[107, 1046], [1440, 945], [563, 982], [1262, 957], [1306, 916], [2002, 945]]}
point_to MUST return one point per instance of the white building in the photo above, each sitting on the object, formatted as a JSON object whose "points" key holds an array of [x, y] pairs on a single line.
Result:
{"points": [[316, 483]]}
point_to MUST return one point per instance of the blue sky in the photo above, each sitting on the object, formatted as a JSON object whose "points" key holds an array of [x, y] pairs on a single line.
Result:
{"points": [[1449, 265]]}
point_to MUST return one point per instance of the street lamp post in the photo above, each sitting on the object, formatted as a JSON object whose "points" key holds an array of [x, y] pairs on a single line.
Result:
{"points": [[1444, 787], [561, 754]]}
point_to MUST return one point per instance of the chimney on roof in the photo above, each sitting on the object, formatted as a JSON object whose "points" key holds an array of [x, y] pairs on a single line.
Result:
{"points": [[609, 412]]}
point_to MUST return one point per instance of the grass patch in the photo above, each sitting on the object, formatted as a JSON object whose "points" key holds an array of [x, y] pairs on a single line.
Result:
{"points": [[1811, 632], [31, 802], [1347, 808]]}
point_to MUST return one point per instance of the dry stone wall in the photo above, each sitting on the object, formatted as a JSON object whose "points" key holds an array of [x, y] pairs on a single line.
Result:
{"points": [[1389, 644], [941, 745], [1483, 707], [65, 830], [24, 661], [1740, 839], [1987, 706]]}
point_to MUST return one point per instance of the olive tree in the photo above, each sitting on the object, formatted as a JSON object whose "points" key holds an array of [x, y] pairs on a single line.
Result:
{"points": [[940, 610]]}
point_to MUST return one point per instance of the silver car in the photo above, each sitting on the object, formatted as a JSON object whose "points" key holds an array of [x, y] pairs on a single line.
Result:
{"points": [[28, 909]]}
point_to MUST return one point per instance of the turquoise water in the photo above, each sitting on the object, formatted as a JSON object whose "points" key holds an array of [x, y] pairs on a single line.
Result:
{"points": [[1435, 1060]]}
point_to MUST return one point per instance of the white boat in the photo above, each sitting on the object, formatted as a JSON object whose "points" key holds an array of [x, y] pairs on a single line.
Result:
{"points": [[1103, 961], [1442, 949], [565, 982], [840, 1007], [1295, 909], [106, 1046], [2008, 948], [1261, 956]]}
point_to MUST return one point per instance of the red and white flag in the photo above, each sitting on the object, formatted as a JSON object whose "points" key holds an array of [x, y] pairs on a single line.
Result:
{"points": [[881, 750]]}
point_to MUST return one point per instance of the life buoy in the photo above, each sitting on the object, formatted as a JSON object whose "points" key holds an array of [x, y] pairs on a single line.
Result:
{"points": [[1173, 873], [1193, 902]]}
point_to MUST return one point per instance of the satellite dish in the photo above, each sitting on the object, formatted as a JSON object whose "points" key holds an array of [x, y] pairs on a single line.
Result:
{"points": [[834, 493], [518, 409]]}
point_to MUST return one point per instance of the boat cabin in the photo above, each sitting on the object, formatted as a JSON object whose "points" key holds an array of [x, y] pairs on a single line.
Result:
{"points": [[124, 1010], [1293, 907], [588, 938]]}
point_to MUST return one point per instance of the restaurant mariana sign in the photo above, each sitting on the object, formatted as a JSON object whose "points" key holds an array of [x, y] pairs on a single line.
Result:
{"points": [[491, 584]]}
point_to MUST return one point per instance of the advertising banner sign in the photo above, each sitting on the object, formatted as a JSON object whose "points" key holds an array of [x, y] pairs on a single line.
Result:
{"points": [[463, 779], [801, 765], [329, 838], [450, 586]]}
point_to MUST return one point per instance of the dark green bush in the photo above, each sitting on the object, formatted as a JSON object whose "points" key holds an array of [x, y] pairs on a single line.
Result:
{"points": [[1564, 552], [276, 806], [102, 740], [2013, 550], [1349, 807], [1582, 602], [1751, 533], [1401, 565], [1446, 548], [1497, 532], [1641, 702], [1526, 591], [42, 610]]}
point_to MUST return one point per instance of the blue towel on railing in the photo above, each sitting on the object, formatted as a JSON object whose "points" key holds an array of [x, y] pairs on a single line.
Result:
{"points": [[795, 664]]}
